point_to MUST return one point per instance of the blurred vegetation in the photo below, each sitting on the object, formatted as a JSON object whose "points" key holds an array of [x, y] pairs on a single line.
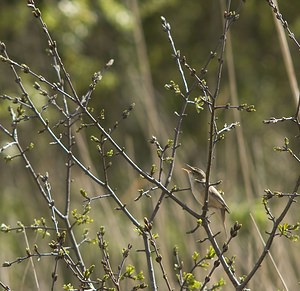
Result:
{"points": [[91, 32]]}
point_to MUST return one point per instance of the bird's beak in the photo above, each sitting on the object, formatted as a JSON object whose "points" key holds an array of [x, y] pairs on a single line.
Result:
{"points": [[187, 170]]}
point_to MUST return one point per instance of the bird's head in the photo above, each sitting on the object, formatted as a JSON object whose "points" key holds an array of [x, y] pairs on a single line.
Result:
{"points": [[195, 173]]}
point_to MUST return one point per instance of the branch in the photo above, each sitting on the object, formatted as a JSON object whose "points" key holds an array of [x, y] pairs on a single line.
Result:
{"points": [[271, 238]]}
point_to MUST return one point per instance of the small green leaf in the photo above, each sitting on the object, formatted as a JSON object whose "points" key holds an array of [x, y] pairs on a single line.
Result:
{"points": [[155, 235], [169, 160], [219, 284], [195, 256], [173, 87], [153, 169], [94, 138], [170, 143], [199, 103], [83, 193], [210, 253], [31, 146], [140, 276], [191, 282], [286, 141], [130, 269], [68, 287], [102, 114]]}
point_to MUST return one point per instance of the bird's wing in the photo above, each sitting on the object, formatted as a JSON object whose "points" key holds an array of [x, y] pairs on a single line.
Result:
{"points": [[218, 197], [200, 181]]}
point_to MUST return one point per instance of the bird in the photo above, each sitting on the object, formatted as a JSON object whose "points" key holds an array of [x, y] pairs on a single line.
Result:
{"points": [[197, 178]]}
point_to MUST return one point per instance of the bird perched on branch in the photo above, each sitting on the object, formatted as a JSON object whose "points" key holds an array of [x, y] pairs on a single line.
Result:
{"points": [[197, 178]]}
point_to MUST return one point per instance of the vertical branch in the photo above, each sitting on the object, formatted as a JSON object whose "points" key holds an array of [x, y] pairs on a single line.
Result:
{"points": [[151, 272], [167, 29], [219, 253], [242, 147], [57, 66], [52, 45], [69, 164], [212, 142], [212, 133], [280, 24]]}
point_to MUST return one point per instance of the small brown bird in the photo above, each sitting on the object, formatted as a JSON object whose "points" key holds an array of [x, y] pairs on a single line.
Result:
{"points": [[197, 178]]}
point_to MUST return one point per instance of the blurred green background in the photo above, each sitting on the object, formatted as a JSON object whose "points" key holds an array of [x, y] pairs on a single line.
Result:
{"points": [[91, 32]]}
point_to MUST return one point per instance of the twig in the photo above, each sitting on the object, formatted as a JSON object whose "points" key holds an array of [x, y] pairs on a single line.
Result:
{"points": [[270, 239], [150, 267], [31, 262], [167, 28], [269, 253], [5, 287]]}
